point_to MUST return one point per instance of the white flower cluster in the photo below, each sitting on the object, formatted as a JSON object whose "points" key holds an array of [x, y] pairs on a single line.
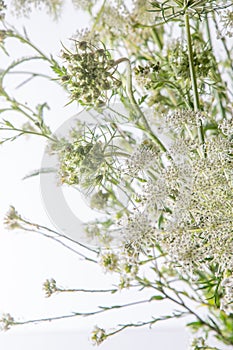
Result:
{"points": [[142, 158], [226, 21], [138, 231], [186, 205], [84, 5], [179, 118], [227, 300], [23, 7]]}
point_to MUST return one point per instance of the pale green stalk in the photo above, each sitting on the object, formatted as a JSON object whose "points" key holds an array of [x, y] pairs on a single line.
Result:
{"points": [[129, 90], [196, 103]]}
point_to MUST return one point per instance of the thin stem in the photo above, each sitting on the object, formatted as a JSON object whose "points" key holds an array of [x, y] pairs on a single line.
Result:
{"points": [[223, 40], [28, 132], [145, 323], [74, 290], [58, 234], [62, 243], [129, 90], [29, 43], [156, 38], [99, 14], [196, 102], [191, 65], [101, 309], [222, 109]]}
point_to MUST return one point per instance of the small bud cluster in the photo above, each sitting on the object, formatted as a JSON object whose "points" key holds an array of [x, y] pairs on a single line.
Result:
{"points": [[2, 9], [12, 219], [110, 261], [178, 58], [145, 74], [89, 74], [50, 287], [124, 262], [82, 163], [98, 335], [6, 321]]}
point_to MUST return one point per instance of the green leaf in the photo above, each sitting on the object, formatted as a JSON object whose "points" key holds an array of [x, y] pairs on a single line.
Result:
{"points": [[7, 123], [157, 297], [142, 99], [195, 325]]}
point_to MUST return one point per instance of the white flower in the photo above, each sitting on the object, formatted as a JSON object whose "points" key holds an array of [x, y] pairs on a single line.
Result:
{"points": [[226, 20], [142, 158], [227, 300]]}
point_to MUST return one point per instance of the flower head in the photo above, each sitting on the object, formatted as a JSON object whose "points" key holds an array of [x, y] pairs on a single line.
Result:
{"points": [[109, 261], [98, 335], [142, 158], [6, 321], [226, 22], [12, 219], [50, 287], [89, 74]]}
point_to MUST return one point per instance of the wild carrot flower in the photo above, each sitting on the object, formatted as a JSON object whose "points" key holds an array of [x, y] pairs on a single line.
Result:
{"points": [[89, 74], [226, 23]]}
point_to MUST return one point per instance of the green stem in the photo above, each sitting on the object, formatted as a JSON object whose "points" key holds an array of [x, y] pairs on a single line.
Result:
{"points": [[156, 38], [39, 227], [129, 90], [99, 14], [76, 290], [60, 242], [29, 43], [196, 103], [191, 65], [21, 131], [222, 109], [100, 310]]}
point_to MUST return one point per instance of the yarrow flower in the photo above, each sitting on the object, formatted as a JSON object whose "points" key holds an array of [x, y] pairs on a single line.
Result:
{"points": [[89, 74]]}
